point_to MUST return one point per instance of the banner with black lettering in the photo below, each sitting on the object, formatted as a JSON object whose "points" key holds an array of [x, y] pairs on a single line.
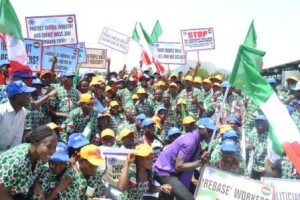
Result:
{"points": [[115, 40], [170, 53], [284, 189], [34, 53], [53, 30], [95, 59], [82, 51], [198, 39], [217, 184], [67, 58]]}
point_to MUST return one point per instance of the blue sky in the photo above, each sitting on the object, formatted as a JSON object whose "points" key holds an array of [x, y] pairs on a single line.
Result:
{"points": [[276, 22]]}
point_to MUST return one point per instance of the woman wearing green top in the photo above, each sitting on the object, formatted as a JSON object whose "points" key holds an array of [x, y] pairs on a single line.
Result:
{"points": [[135, 182], [21, 165]]}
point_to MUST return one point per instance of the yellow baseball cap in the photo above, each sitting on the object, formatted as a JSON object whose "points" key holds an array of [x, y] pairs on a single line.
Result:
{"points": [[143, 150], [100, 78], [188, 120], [92, 154], [188, 78], [85, 98], [107, 132], [218, 77], [181, 101], [206, 81], [141, 91], [113, 103], [54, 126], [217, 85], [94, 81], [125, 132], [292, 78], [198, 79], [224, 127], [173, 84], [107, 88], [157, 121], [161, 83], [135, 97], [173, 75], [44, 72]]}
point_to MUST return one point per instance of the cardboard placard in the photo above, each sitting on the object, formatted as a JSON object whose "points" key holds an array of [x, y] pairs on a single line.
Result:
{"points": [[67, 58], [284, 189], [198, 39], [95, 58], [170, 53], [53, 30], [115, 40], [217, 184]]}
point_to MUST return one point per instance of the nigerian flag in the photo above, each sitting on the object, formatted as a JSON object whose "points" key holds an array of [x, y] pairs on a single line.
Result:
{"points": [[245, 75]]}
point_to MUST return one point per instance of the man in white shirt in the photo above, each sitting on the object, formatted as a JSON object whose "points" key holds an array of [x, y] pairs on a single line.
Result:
{"points": [[13, 113]]}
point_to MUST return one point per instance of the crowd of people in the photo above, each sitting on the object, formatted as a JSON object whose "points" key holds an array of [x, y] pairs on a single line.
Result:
{"points": [[55, 128]]}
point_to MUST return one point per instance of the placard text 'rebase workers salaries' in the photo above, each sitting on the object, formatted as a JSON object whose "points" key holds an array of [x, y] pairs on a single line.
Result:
{"points": [[225, 189]]}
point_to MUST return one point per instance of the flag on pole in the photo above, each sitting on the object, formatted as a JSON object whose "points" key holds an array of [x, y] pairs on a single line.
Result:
{"points": [[144, 56], [156, 32], [135, 35], [150, 47], [11, 35], [250, 40], [75, 79], [283, 132]]}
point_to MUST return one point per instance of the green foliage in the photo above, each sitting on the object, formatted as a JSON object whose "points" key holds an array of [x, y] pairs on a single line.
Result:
{"points": [[203, 73]]}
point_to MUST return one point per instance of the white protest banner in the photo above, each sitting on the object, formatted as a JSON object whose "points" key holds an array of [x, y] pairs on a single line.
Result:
{"points": [[53, 30], [114, 159], [198, 39], [115, 40], [34, 53], [95, 58], [284, 189], [170, 53], [216, 184], [67, 58], [82, 51]]}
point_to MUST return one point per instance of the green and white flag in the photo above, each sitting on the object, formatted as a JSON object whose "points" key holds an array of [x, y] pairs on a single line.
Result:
{"points": [[283, 132]]}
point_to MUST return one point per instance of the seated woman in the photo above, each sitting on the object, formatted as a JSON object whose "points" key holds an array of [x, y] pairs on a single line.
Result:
{"points": [[58, 180], [21, 165], [136, 180]]}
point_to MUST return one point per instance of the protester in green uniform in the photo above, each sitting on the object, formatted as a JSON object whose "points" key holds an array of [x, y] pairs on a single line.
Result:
{"points": [[138, 179], [144, 105], [127, 137], [21, 165], [57, 180], [75, 142], [38, 115], [193, 96], [81, 117], [116, 117], [65, 100], [89, 176], [257, 142]]}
